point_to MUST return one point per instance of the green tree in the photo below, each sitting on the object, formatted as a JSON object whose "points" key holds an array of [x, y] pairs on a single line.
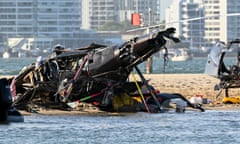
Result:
{"points": [[114, 26]]}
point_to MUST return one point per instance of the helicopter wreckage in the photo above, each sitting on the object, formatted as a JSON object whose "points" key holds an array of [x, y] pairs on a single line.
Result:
{"points": [[97, 75], [229, 76]]}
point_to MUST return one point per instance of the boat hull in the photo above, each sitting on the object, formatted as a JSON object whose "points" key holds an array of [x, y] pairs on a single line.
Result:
{"points": [[6, 55], [181, 58]]}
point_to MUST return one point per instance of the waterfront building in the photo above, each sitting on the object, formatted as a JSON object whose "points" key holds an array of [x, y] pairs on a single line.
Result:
{"points": [[217, 24], [178, 14], [45, 23], [57, 19], [223, 27], [95, 13]]}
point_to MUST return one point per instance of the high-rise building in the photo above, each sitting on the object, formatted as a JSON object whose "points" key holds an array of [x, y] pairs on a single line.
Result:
{"points": [[178, 14], [54, 18], [57, 19], [95, 13], [213, 24], [218, 23], [49, 22], [149, 10], [223, 27]]}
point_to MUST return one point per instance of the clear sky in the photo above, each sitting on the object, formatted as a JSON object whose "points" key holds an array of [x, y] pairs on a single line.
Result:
{"points": [[163, 5]]}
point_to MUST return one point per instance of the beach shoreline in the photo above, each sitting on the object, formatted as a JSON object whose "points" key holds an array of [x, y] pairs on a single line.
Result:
{"points": [[54, 112]]}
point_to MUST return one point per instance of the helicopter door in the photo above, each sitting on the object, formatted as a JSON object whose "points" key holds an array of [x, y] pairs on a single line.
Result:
{"points": [[213, 61]]}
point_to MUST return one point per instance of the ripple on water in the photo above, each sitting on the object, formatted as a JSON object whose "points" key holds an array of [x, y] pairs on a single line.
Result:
{"points": [[190, 127]]}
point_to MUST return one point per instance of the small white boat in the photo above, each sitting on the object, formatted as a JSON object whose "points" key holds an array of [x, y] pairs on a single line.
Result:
{"points": [[6, 55], [181, 55]]}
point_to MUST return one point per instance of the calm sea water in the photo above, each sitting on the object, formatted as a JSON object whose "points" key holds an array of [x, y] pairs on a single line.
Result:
{"points": [[13, 65], [210, 127]]}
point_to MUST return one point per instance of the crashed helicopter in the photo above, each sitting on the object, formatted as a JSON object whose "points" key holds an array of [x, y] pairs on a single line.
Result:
{"points": [[229, 76], [97, 75]]}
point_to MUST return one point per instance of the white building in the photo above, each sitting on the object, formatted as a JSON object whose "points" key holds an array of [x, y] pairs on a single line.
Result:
{"points": [[224, 27], [213, 25], [217, 25], [177, 16], [57, 19], [95, 13]]}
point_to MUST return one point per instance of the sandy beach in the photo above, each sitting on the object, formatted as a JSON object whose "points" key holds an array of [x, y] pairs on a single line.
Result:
{"points": [[189, 85], [185, 84], [193, 84]]}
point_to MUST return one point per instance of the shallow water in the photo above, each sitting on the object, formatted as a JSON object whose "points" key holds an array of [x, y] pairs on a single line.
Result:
{"points": [[12, 66], [210, 127]]}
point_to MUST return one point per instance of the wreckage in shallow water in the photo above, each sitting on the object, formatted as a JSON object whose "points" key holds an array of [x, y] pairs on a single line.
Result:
{"points": [[229, 75], [97, 75], [7, 112]]}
